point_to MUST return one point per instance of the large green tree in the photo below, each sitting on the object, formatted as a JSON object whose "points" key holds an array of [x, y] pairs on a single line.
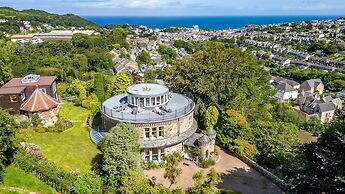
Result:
{"points": [[134, 183], [228, 77], [119, 83], [322, 169], [168, 54], [211, 116], [172, 171], [144, 58], [8, 128], [206, 185], [120, 149], [277, 143]]}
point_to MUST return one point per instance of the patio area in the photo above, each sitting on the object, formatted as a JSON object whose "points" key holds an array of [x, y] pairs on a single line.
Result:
{"points": [[236, 175]]}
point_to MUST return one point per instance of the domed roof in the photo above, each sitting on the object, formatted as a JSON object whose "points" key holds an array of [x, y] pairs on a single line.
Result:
{"points": [[204, 139], [210, 131]]}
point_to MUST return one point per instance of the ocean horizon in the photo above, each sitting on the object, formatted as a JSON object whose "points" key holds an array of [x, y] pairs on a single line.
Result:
{"points": [[209, 22]]}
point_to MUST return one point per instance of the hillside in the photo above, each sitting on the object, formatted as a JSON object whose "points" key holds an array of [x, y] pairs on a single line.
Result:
{"points": [[38, 17]]}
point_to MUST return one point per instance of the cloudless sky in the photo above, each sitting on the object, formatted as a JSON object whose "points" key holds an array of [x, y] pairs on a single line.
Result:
{"points": [[182, 7]]}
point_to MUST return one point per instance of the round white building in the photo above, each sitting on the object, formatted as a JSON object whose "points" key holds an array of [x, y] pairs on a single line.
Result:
{"points": [[164, 119]]}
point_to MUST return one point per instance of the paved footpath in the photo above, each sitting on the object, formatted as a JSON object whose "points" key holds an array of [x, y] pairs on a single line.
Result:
{"points": [[236, 175]]}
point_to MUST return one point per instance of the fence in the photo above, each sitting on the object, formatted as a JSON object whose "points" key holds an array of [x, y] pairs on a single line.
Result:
{"points": [[147, 116]]}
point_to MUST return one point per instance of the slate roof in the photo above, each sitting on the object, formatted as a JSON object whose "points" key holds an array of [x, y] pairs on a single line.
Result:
{"points": [[312, 83], [284, 87], [192, 140], [291, 82], [204, 139], [337, 101], [43, 81], [14, 90], [327, 99], [325, 107], [39, 101]]}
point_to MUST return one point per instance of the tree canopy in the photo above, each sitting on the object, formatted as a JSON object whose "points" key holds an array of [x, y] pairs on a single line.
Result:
{"points": [[144, 58], [120, 149], [227, 77], [8, 128], [322, 169]]}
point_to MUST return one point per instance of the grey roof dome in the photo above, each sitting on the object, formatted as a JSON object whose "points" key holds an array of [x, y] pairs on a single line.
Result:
{"points": [[210, 131], [204, 139]]}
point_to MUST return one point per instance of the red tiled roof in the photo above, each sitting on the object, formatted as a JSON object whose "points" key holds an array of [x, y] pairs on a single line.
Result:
{"points": [[39, 101], [43, 81]]}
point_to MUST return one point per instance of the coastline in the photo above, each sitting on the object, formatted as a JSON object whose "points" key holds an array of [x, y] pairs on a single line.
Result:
{"points": [[207, 22]]}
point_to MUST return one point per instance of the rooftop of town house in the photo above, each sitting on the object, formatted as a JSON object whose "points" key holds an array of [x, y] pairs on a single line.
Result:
{"points": [[21, 36], [117, 108], [30, 80], [147, 90], [11, 90]]}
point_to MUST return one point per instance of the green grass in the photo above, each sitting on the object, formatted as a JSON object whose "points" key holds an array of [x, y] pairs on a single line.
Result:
{"points": [[21, 181], [70, 111], [71, 149]]}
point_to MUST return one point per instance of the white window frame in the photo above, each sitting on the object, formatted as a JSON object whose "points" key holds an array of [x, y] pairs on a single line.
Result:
{"points": [[23, 96], [43, 90]]}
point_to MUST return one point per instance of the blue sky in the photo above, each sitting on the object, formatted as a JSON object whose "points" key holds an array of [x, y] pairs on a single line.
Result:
{"points": [[183, 7]]}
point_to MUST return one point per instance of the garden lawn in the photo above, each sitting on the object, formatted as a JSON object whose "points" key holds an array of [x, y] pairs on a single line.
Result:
{"points": [[22, 182], [71, 149]]}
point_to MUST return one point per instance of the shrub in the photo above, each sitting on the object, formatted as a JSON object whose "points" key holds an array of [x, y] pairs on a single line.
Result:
{"points": [[195, 153], [243, 147], [21, 135], [89, 183], [24, 124], [40, 129], [152, 165], [63, 124], [36, 120], [45, 170], [206, 163], [314, 126], [85, 103]]}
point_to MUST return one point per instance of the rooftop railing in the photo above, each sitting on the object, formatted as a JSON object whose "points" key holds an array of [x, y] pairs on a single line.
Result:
{"points": [[147, 115]]}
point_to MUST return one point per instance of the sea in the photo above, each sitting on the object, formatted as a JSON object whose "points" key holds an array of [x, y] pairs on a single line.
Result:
{"points": [[205, 22]]}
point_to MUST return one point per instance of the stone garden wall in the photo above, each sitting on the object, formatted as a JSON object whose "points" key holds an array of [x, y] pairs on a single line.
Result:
{"points": [[280, 183]]}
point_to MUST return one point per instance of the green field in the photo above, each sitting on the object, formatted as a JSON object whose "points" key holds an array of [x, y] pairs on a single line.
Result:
{"points": [[17, 181], [71, 149]]}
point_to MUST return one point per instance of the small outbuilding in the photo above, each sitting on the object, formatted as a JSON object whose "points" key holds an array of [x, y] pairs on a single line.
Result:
{"points": [[44, 105]]}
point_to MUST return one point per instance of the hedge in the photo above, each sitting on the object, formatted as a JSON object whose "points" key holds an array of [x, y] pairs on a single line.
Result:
{"points": [[45, 170]]}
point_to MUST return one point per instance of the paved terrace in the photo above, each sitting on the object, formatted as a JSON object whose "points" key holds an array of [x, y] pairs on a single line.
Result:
{"points": [[178, 104], [236, 175]]}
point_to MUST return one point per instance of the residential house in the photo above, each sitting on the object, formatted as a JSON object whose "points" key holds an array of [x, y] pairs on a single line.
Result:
{"points": [[326, 111], [285, 91], [311, 105], [282, 61], [30, 94], [312, 85], [293, 83], [122, 64]]}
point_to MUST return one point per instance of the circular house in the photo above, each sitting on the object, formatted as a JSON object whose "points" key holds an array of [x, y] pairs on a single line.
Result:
{"points": [[164, 119]]}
